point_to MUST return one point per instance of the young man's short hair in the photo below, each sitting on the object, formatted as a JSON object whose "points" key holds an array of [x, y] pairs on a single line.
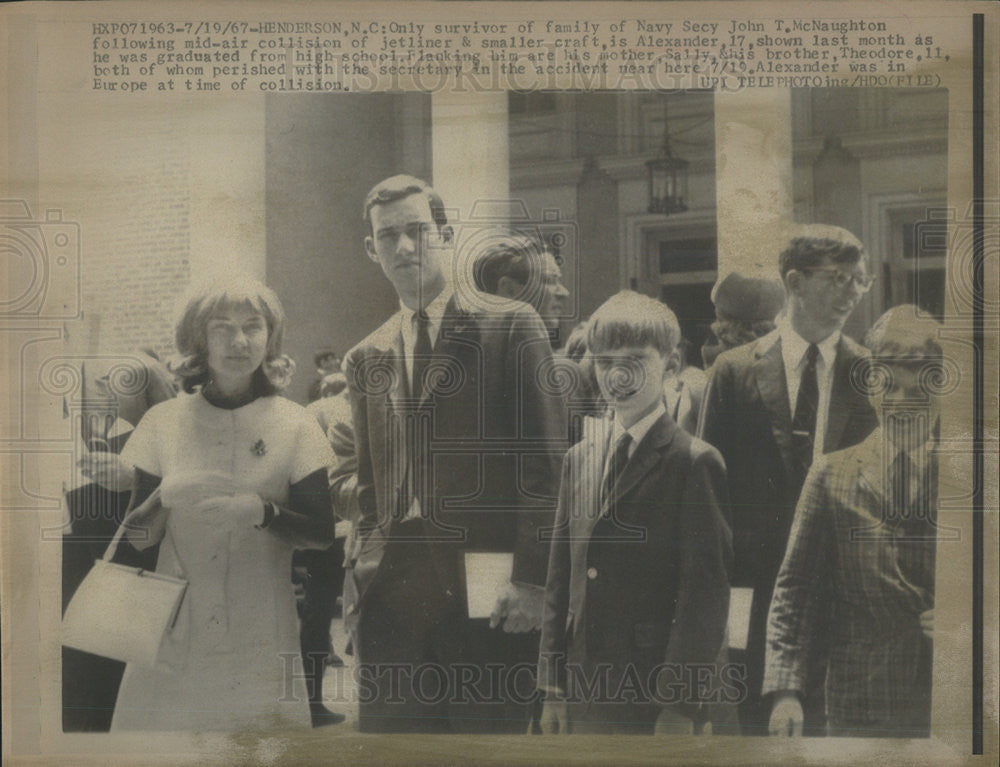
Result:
{"points": [[630, 319], [396, 188], [816, 242], [505, 255], [903, 336]]}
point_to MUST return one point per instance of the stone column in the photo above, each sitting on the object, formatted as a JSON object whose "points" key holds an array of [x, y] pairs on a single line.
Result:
{"points": [[753, 179], [471, 167]]}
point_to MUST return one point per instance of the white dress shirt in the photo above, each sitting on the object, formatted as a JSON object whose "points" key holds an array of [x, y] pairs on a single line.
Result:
{"points": [[408, 325], [636, 431], [793, 354]]}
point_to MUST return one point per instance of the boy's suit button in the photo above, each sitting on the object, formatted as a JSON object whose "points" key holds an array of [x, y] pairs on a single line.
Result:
{"points": [[592, 573]]}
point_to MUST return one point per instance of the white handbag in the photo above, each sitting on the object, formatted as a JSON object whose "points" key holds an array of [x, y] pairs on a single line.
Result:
{"points": [[122, 612]]}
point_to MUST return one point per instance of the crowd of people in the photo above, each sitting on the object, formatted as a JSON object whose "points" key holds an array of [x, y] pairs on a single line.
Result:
{"points": [[535, 536]]}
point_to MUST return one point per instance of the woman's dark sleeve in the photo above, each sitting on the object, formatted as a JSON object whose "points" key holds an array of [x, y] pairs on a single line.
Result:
{"points": [[307, 521], [145, 484], [146, 529]]}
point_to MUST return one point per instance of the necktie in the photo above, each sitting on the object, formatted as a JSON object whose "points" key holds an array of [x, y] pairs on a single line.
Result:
{"points": [[806, 405], [412, 487], [421, 353], [615, 467]]}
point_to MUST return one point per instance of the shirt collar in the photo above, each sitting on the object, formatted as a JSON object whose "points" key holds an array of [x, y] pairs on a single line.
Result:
{"points": [[434, 310], [794, 346], [639, 429]]}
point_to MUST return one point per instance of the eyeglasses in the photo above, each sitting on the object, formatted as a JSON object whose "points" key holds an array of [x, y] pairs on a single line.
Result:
{"points": [[842, 279]]}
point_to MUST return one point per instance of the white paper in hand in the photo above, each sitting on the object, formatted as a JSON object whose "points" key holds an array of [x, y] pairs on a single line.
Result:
{"points": [[486, 574], [740, 603]]}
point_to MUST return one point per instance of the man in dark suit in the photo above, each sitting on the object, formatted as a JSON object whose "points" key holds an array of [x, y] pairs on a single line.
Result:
{"points": [[458, 450], [772, 406], [519, 268]]}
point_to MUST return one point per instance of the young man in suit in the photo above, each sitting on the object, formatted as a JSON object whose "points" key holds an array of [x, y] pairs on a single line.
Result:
{"points": [[638, 579], [771, 408], [855, 594], [458, 448]]}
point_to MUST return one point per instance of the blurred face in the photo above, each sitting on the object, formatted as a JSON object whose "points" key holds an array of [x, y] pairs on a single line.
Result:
{"points": [[553, 293], [907, 410], [406, 243], [237, 345], [819, 299], [631, 380], [329, 364]]}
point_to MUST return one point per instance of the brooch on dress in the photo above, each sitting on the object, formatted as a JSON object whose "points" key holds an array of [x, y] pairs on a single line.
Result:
{"points": [[258, 448]]}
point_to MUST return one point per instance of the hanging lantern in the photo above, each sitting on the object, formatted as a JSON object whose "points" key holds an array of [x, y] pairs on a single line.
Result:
{"points": [[668, 177]]}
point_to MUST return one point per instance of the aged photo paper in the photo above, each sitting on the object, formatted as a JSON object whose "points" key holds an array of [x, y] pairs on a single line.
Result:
{"points": [[672, 149]]}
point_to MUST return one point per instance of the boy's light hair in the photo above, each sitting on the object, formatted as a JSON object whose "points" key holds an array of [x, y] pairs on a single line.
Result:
{"points": [[630, 319], [903, 335]]}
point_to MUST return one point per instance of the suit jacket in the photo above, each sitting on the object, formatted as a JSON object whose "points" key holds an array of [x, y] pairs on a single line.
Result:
{"points": [[490, 435], [747, 416], [644, 578], [850, 592]]}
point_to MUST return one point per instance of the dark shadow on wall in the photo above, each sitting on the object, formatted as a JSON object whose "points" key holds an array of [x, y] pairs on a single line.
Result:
{"points": [[323, 154]]}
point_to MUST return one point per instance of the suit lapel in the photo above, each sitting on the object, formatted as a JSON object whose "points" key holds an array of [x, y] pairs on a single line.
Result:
{"points": [[394, 358], [452, 342], [590, 474], [383, 362], [645, 457], [769, 375], [588, 509], [842, 396], [387, 363], [872, 468]]}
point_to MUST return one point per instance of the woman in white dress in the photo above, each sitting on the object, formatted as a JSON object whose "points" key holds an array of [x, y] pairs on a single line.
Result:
{"points": [[232, 479]]}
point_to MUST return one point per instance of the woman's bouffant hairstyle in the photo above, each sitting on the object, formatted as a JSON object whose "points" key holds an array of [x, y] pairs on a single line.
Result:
{"points": [[191, 333]]}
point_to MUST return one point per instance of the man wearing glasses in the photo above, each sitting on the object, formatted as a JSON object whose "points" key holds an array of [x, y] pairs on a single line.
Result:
{"points": [[771, 407]]}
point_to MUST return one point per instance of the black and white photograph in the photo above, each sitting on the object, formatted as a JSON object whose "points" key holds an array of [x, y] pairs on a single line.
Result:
{"points": [[472, 382]]}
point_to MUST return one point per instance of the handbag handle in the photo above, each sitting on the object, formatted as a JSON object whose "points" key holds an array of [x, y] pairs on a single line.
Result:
{"points": [[143, 507]]}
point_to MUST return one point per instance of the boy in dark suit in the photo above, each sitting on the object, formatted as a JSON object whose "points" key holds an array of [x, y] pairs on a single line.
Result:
{"points": [[637, 593]]}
